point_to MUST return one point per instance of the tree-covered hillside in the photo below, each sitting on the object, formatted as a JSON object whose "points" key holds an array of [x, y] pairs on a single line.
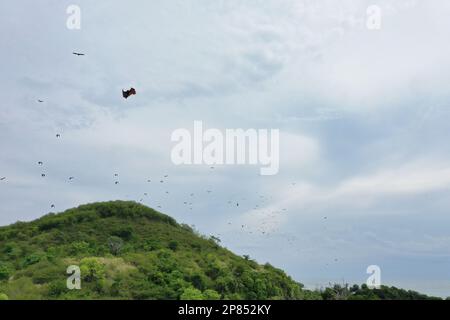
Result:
{"points": [[128, 251], [125, 250]]}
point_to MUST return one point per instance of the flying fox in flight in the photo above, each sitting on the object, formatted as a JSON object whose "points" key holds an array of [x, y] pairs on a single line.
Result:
{"points": [[128, 93]]}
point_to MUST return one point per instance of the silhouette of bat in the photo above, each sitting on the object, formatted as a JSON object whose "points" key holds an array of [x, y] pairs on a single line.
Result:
{"points": [[128, 93], [78, 54]]}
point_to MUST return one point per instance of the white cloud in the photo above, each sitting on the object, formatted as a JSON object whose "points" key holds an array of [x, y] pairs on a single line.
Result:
{"points": [[358, 194], [410, 179]]}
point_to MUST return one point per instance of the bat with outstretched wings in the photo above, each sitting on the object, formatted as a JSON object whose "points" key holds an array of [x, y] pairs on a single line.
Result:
{"points": [[78, 53], [127, 93]]}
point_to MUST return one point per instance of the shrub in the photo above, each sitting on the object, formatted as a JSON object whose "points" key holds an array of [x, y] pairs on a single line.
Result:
{"points": [[31, 259], [91, 269], [115, 244], [4, 272], [126, 233], [198, 280], [80, 247], [173, 245], [56, 288], [210, 294]]}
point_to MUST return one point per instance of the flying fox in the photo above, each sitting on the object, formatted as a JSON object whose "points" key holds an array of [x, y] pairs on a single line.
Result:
{"points": [[128, 93]]}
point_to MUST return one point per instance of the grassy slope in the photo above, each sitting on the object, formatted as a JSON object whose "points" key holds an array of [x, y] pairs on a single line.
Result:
{"points": [[126, 250]]}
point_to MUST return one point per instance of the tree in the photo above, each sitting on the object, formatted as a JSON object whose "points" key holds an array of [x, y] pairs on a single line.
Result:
{"points": [[336, 292], [115, 244], [191, 294], [173, 245], [126, 232], [4, 272], [210, 294], [56, 288], [198, 280], [91, 269], [3, 296], [79, 247], [215, 239]]}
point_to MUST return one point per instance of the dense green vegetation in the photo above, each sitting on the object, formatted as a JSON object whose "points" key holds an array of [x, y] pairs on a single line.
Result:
{"points": [[128, 251], [363, 292]]}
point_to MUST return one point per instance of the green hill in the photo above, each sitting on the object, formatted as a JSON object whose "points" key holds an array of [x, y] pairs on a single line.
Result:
{"points": [[128, 251], [125, 250]]}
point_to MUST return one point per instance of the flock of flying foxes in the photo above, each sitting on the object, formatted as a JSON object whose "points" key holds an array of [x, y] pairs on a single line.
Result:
{"points": [[125, 94], [263, 228]]}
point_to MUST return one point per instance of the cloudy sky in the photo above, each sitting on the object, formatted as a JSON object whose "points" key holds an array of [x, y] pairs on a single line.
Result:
{"points": [[363, 116]]}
